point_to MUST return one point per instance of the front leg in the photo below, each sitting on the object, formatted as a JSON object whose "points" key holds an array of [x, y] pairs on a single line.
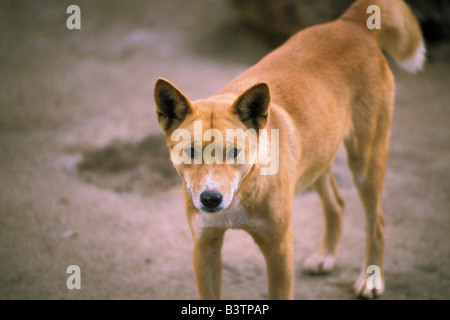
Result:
{"points": [[208, 263], [277, 248]]}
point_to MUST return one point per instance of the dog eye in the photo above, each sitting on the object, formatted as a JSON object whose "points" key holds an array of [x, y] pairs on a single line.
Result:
{"points": [[190, 152], [233, 153]]}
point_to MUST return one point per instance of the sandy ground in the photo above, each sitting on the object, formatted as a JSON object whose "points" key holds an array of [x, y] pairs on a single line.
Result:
{"points": [[85, 178]]}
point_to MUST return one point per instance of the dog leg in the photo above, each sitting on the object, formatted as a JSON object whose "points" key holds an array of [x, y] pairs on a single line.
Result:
{"points": [[369, 188], [278, 253], [368, 163], [208, 263], [324, 259]]}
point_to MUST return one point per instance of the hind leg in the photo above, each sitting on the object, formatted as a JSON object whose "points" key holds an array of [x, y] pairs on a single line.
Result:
{"points": [[367, 148], [323, 260], [368, 176]]}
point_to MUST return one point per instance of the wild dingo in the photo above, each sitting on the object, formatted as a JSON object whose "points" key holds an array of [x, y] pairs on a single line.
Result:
{"points": [[327, 84]]}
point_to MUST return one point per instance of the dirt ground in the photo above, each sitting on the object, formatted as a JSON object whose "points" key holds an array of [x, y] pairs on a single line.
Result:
{"points": [[85, 177]]}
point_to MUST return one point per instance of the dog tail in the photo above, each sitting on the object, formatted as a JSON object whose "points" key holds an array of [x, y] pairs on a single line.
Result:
{"points": [[398, 31]]}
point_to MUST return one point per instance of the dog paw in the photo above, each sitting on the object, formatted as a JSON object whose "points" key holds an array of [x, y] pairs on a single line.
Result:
{"points": [[367, 288], [319, 263]]}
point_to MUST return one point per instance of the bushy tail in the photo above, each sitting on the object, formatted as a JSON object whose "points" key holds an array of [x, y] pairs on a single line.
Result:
{"points": [[400, 34]]}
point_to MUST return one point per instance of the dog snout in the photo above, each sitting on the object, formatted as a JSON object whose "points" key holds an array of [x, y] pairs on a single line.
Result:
{"points": [[211, 199]]}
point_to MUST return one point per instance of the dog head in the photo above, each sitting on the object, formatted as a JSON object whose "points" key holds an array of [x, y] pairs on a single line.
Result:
{"points": [[213, 142]]}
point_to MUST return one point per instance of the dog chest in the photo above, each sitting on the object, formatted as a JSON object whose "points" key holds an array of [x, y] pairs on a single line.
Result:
{"points": [[231, 218]]}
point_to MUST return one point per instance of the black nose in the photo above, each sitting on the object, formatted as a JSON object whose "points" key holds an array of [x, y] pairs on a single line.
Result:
{"points": [[211, 199]]}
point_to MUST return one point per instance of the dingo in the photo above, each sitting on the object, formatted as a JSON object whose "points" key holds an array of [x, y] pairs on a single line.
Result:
{"points": [[326, 84]]}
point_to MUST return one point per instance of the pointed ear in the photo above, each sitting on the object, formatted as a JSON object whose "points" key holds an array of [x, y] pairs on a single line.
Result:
{"points": [[172, 106], [252, 107]]}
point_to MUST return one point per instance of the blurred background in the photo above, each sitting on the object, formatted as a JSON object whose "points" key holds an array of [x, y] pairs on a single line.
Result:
{"points": [[85, 176]]}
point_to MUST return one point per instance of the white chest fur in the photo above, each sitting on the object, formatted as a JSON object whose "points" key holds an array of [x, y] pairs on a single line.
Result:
{"points": [[235, 217]]}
